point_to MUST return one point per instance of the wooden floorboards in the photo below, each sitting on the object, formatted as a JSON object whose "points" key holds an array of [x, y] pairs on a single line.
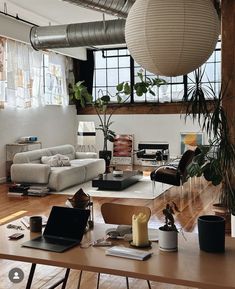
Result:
{"points": [[192, 202]]}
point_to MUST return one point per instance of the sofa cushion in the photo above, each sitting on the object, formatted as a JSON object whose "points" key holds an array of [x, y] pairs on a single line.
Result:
{"points": [[66, 150], [30, 156], [93, 167], [57, 160], [64, 177]]}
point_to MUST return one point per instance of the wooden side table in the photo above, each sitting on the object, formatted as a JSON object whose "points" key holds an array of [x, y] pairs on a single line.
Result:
{"points": [[13, 148]]}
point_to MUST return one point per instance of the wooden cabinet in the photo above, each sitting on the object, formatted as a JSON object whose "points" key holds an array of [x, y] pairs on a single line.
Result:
{"points": [[13, 148]]}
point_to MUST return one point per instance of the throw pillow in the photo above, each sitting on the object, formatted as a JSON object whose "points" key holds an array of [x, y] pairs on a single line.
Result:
{"points": [[57, 160]]}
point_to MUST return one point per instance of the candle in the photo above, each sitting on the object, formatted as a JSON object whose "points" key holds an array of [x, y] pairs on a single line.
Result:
{"points": [[140, 230]]}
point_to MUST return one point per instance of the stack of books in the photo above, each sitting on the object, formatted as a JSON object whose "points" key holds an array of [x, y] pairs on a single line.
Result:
{"points": [[38, 191], [18, 190], [23, 190]]}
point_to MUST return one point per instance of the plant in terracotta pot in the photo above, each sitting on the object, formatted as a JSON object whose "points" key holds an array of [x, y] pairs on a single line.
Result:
{"points": [[168, 233]]}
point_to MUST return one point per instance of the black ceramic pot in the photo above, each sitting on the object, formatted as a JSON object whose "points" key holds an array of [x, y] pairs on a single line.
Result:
{"points": [[211, 233], [106, 155]]}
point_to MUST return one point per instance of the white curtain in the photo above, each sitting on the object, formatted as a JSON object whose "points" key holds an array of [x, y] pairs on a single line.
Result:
{"points": [[55, 67], [2, 72], [23, 75]]}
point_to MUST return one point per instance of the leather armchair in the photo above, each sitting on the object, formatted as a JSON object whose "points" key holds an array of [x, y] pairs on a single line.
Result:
{"points": [[172, 175]]}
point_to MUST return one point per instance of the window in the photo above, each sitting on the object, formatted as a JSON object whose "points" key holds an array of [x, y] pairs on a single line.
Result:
{"points": [[25, 81], [113, 66]]}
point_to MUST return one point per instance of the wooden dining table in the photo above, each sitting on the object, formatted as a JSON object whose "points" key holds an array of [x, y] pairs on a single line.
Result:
{"points": [[188, 266]]}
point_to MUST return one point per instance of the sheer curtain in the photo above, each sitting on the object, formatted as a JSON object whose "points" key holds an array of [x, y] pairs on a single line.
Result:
{"points": [[24, 75], [55, 90], [2, 72]]}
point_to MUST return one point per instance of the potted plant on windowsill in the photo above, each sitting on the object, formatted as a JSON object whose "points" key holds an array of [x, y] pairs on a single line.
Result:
{"points": [[168, 233], [105, 107]]}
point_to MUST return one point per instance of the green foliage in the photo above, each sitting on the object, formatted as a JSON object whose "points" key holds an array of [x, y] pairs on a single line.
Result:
{"points": [[141, 87], [80, 93], [216, 162], [103, 104]]}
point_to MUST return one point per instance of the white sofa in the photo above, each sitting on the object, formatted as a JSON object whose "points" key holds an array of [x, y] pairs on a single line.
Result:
{"points": [[28, 168]]}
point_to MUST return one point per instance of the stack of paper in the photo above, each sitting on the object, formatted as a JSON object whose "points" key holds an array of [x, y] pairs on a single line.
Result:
{"points": [[130, 253]]}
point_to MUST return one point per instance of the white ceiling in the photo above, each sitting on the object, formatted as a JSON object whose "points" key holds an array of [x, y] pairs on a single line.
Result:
{"points": [[46, 12]]}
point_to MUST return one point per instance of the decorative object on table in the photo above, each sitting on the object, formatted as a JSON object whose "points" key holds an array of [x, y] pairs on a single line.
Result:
{"points": [[81, 200], [117, 173], [140, 231], [86, 136], [211, 233], [123, 149], [168, 234], [190, 140], [159, 34]]}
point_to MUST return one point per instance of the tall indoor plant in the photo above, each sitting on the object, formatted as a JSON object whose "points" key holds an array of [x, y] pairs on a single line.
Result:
{"points": [[105, 107], [217, 160]]}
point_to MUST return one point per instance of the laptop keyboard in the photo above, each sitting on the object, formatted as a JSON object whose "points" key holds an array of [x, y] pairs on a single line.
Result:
{"points": [[58, 241]]}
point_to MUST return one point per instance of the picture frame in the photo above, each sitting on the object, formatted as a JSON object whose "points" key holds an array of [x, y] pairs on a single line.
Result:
{"points": [[190, 140], [123, 149]]}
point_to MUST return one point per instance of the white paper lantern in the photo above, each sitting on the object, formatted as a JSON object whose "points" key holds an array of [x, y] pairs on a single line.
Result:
{"points": [[172, 37]]}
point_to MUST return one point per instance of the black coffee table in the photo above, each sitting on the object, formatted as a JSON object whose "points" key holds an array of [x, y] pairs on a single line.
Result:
{"points": [[110, 182]]}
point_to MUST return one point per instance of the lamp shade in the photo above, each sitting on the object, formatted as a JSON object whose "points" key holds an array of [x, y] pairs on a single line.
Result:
{"points": [[86, 133], [169, 37]]}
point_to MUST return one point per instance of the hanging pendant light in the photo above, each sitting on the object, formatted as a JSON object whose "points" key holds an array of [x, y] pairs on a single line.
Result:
{"points": [[172, 37]]}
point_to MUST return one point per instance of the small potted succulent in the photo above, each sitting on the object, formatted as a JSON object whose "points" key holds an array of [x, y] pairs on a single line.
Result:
{"points": [[168, 233]]}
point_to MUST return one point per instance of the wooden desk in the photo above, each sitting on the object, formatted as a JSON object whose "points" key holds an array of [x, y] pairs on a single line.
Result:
{"points": [[189, 266]]}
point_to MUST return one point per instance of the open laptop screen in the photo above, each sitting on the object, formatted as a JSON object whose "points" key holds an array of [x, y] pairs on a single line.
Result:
{"points": [[68, 223]]}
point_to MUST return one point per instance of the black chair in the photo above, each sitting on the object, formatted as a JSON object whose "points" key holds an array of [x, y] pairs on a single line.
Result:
{"points": [[173, 175]]}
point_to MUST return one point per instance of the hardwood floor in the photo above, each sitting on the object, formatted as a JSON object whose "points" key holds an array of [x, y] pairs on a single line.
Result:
{"points": [[192, 203]]}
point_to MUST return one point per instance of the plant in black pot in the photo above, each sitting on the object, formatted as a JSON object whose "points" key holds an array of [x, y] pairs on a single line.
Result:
{"points": [[168, 233], [216, 161], [105, 107], [101, 105]]}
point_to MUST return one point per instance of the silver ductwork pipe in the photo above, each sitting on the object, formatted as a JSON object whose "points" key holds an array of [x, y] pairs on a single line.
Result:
{"points": [[118, 8], [78, 35]]}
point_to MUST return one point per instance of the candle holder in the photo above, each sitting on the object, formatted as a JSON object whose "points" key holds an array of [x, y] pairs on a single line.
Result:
{"points": [[149, 245]]}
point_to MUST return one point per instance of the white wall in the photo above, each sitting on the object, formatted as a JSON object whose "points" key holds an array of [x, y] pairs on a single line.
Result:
{"points": [[53, 125], [151, 127]]}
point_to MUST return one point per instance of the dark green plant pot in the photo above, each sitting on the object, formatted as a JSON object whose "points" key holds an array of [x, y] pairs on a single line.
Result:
{"points": [[106, 155], [211, 233]]}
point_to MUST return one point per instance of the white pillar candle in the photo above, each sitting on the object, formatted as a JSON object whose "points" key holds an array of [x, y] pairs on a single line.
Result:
{"points": [[140, 230]]}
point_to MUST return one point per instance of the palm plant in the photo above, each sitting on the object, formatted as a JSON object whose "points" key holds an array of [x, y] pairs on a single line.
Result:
{"points": [[216, 161]]}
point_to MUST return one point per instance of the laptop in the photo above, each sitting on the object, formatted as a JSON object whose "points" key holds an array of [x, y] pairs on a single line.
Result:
{"points": [[64, 229]]}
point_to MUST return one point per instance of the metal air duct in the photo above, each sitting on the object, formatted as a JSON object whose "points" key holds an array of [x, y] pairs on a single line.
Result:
{"points": [[77, 35], [118, 8]]}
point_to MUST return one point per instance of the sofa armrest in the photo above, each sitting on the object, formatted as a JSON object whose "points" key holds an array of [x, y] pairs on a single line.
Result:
{"points": [[86, 155], [30, 173]]}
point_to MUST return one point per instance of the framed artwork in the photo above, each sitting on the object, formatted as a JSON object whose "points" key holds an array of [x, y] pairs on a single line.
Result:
{"points": [[190, 140], [123, 149]]}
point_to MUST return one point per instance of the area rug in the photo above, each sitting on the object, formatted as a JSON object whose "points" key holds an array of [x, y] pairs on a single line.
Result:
{"points": [[141, 190]]}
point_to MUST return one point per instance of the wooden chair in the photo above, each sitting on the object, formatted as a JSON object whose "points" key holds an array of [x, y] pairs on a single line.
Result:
{"points": [[119, 214]]}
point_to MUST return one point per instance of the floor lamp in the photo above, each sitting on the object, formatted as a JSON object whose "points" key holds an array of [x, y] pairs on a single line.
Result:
{"points": [[86, 136]]}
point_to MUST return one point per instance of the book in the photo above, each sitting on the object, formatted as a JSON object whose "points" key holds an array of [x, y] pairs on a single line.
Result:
{"points": [[25, 221], [129, 253]]}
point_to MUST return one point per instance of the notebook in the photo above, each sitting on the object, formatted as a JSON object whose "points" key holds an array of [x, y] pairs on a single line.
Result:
{"points": [[64, 229]]}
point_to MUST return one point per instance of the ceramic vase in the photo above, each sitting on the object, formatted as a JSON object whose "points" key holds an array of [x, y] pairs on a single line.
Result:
{"points": [[211, 233], [168, 240]]}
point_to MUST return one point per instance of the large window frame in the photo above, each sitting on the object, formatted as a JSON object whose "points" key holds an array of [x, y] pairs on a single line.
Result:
{"points": [[174, 84]]}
